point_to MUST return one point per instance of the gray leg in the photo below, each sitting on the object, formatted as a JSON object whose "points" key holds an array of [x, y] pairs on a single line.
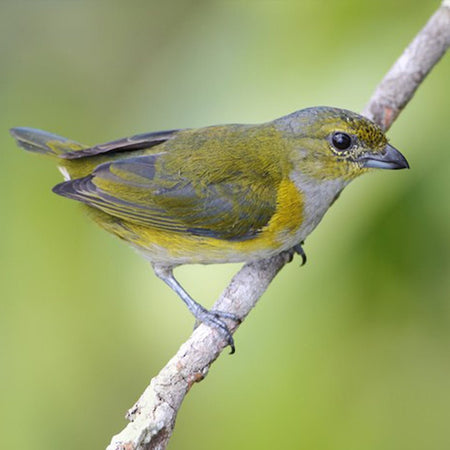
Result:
{"points": [[211, 318]]}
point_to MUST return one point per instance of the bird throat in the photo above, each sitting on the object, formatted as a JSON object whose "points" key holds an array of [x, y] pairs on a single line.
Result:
{"points": [[318, 196]]}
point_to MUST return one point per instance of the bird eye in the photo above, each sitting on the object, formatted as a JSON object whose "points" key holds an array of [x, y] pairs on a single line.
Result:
{"points": [[341, 141]]}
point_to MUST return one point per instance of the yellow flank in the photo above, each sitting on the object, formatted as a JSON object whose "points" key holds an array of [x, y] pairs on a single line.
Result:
{"points": [[180, 248], [288, 216]]}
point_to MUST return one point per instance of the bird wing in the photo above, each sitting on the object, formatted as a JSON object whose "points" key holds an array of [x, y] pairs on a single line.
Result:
{"points": [[139, 190], [137, 142]]}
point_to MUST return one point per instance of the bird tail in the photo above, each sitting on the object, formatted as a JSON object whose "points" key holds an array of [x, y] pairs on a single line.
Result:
{"points": [[39, 141]]}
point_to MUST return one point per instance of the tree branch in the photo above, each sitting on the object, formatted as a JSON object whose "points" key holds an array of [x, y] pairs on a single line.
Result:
{"points": [[405, 76], [152, 418]]}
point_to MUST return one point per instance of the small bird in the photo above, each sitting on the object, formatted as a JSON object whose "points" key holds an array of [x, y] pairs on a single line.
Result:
{"points": [[219, 194]]}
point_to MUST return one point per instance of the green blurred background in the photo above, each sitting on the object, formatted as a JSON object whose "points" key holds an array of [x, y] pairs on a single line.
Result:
{"points": [[350, 352]]}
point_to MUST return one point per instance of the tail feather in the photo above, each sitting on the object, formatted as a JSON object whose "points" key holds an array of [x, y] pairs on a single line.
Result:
{"points": [[39, 141]]}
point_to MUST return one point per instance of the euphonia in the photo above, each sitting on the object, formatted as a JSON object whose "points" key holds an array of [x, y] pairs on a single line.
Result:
{"points": [[219, 194]]}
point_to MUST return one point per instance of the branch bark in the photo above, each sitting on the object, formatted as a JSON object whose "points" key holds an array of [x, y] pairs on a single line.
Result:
{"points": [[152, 418]]}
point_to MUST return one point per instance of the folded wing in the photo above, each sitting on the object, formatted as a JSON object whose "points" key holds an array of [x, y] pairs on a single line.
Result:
{"points": [[137, 190]]}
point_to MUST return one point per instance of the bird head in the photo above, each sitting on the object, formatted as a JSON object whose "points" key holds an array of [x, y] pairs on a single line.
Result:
{"points": [[331, 143]]}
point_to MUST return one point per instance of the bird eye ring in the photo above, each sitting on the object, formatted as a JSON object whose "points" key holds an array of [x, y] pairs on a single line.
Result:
{"points": [[341, 141]]}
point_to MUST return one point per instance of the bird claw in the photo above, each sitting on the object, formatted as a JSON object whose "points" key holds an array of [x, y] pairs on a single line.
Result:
{"points": [[214, 319], [299, 250]]}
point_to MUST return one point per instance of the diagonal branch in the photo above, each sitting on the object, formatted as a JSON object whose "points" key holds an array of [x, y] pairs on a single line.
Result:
{"points": [[152, 418], [405, 76]]}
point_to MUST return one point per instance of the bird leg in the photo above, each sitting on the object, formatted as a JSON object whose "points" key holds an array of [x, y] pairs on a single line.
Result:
{"points": [[211, 318]]}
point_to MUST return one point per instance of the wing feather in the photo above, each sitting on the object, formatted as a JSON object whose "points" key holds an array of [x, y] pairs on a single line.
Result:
{"points": [[137, 190], [137, 142]]}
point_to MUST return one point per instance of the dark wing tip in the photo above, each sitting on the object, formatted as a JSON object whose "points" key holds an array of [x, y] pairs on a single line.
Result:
{"points": [[73, 188], [137, 142]]}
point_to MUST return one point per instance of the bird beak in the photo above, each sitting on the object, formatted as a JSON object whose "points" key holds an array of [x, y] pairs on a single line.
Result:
{"points": [[390, 158]]}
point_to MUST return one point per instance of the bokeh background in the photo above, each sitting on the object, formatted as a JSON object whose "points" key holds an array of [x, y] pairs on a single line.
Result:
{"points": [[349, 352]]}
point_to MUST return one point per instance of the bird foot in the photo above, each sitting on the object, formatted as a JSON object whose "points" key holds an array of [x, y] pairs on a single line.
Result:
{"points": [[214, 319], [299, 250]]}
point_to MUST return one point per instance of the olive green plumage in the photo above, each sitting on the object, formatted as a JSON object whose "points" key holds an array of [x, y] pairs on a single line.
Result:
{"points": [[208, 194], [222, 193]]}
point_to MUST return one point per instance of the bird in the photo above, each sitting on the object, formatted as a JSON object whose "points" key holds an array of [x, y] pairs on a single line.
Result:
{"points": [[218, 194]]}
